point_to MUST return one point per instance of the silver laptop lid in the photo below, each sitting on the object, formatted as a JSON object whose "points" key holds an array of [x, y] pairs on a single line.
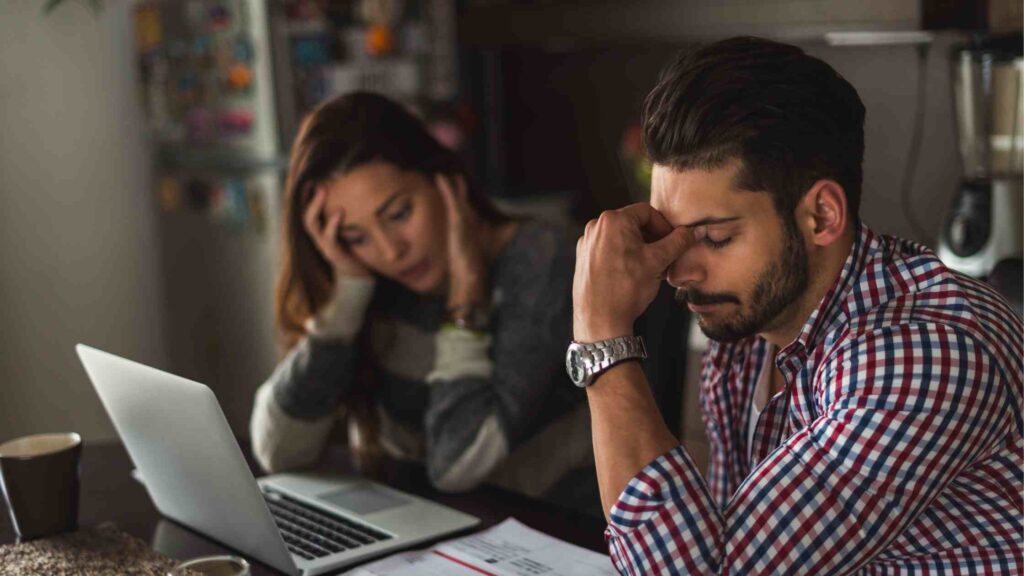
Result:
{"points": [[179, 440]]}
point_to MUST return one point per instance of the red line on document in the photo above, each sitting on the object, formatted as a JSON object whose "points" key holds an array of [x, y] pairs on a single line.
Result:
{"points": [[461, 563]]}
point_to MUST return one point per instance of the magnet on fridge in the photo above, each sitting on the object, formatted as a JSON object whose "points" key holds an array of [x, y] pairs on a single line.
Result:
{"points": [[381, 17], [220, 17], [236, 121], [312, 50], [148, 31], [243, 50], [169, 193], [239, 77], [201, 46], [236, 208], [379, 40]]}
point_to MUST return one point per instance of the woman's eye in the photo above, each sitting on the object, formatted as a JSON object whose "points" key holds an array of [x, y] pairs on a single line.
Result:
{"points": [[401, 214], [351, 240], [716, 244]]}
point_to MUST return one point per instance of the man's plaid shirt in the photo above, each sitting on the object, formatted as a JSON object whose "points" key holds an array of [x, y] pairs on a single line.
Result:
{"points": [[895, 449]]}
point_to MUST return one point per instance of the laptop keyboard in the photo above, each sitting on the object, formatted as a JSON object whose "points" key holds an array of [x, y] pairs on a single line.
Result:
{"points": [[312, 533]]}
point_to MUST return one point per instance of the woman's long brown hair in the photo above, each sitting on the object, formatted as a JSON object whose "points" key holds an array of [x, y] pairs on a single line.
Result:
{"points": [[338, 136]]}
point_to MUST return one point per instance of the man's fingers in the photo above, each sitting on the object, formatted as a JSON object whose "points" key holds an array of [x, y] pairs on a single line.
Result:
{"points": [[639, 212], [671, 247], [652, 224], [657, 227]]}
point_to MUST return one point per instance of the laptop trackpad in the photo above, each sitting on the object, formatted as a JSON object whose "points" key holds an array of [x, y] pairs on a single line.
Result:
{"points": [[363, 499]]}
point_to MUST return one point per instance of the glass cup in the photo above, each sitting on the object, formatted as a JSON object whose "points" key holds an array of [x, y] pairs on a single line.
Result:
{"points": [[39, 475]]}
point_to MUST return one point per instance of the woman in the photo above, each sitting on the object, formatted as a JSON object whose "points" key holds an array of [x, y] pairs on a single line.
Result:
{"points": [[408, 302]]}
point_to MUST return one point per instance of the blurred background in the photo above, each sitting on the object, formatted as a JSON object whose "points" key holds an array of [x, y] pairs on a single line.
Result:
{"points": [[143, 146]]}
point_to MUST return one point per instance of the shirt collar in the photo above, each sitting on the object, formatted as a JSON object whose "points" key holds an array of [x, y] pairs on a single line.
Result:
{"points": [[831, 311]]}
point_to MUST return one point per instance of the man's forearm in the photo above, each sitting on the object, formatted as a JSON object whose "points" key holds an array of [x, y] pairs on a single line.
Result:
{"points": [[628, 429]]}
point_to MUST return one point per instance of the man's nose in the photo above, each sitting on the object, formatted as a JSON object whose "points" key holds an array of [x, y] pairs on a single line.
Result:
{"points": [[685, 271]]}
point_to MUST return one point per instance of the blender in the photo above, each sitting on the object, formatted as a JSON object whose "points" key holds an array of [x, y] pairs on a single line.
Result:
{"points": [[982, 235]]}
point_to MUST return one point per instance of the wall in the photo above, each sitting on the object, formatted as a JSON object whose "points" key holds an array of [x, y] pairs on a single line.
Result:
{"points": [[566, 107], [886, 79], [76, 221]]}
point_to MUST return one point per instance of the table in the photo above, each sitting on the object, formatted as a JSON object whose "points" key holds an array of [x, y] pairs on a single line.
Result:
{"points": [[110, 494]]}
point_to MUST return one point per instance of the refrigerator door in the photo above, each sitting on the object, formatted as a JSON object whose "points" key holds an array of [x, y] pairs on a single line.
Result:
{"points": [[219, 258], [206, 78]]}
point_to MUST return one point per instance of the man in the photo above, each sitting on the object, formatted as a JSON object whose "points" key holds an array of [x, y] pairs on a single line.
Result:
{"points": [[863, 402]]}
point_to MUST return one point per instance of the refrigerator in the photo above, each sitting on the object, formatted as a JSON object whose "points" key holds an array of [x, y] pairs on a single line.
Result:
{"points": [[225, 84]]}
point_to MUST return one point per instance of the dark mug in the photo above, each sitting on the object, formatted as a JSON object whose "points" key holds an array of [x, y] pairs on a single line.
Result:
{"points": [[39, 477]]}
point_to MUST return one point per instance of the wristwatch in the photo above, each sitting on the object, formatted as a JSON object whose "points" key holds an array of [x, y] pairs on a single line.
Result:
{"points": [[585, 361]]}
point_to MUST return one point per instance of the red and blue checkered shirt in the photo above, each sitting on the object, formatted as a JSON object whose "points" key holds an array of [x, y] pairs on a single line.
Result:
{"points": [[896, 447]]}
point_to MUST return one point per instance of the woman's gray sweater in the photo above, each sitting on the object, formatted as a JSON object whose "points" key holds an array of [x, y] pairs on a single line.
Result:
{"points": [[495, 406]]}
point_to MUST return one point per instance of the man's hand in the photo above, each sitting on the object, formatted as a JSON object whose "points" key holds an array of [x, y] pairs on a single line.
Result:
{"points": [[618, 272]]}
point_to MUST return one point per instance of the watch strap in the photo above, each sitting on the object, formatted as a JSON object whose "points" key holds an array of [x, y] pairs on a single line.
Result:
{"points": [[603, 354]]}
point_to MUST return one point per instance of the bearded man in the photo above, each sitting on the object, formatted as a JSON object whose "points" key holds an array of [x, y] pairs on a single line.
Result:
{"points": [[862, 401]]}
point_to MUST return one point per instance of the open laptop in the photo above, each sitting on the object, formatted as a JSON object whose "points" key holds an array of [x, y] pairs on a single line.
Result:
{"points": [[195, 473]]}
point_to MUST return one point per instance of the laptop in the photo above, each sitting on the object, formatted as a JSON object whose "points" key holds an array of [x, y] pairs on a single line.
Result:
{"points": [[194, 471]]}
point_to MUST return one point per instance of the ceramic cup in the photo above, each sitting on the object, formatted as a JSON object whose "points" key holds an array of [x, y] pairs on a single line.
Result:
{"points": [[39, 475]]}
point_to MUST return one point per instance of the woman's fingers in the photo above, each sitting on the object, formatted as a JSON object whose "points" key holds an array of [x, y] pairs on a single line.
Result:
{"points": [[325, 236], [460, 187], [451, 203], [317, 230], [311, 217], [331, 245], [333, 225], [345, 263]]}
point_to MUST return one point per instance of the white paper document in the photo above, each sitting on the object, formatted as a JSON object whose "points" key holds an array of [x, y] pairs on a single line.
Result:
{"points": [[508, 549]]}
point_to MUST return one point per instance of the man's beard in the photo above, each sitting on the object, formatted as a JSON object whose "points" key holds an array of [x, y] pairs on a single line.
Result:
{"points": [[776, 288]]}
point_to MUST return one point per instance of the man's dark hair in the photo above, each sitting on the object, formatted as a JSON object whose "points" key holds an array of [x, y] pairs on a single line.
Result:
{"points": [[789, 117]]}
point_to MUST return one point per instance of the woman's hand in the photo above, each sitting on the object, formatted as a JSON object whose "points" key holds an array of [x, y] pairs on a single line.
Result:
{"points": [[467, 264], [325, 237]]}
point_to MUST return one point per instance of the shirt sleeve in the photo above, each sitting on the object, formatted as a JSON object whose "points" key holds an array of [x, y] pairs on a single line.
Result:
{"points": [[906, 409], [489, 392]]}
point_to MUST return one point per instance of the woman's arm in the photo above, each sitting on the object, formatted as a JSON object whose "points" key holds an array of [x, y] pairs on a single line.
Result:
{"points": [[294, 409], [491, 391]]}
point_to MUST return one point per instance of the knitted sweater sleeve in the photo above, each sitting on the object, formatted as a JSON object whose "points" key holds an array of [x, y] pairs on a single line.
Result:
{"points": [[293, 411]]}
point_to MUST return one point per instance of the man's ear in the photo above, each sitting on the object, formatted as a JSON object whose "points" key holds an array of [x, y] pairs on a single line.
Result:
{"points": [[823, 212]]}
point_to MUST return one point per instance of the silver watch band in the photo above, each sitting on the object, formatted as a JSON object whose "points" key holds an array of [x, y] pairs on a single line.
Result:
{"points": [[585, 361], [604, 353]]}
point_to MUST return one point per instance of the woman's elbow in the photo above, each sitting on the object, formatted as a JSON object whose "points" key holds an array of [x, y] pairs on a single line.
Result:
{"points": [[274, 458], [449, 480]]}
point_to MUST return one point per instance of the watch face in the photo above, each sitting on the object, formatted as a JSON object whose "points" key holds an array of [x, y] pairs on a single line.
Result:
{"points": [[574, 365]]}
